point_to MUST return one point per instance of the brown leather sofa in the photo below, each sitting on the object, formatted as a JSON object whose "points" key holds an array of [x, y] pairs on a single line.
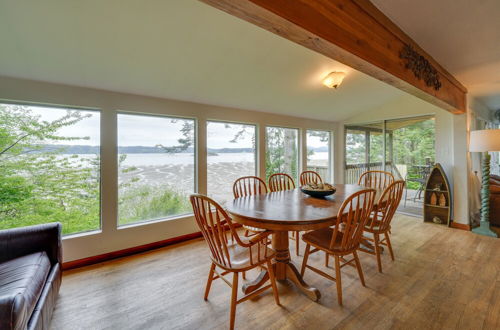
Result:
{"points": [[30, 275], [495, 200]]}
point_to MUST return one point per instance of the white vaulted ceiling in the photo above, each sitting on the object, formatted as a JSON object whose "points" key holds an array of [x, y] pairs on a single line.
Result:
{"points": [[180, 49], [462, 35]]}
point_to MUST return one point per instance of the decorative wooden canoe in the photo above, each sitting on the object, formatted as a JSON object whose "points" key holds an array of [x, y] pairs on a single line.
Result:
{"points": [[437, 184]]}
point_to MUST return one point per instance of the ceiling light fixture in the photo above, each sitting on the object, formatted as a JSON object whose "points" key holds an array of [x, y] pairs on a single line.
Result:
{"points": [[333, 79]]}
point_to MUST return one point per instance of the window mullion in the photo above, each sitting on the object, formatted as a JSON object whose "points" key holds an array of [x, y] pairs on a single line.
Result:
{"points": [[109, 171]]}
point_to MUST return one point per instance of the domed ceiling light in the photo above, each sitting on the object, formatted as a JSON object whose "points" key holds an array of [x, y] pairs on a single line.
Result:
{"points": [[333, 79]]}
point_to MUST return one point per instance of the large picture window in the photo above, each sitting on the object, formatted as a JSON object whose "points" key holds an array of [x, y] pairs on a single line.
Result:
{"points": [[156, 160], [49, 167], [318, 153], [231, 155], [282, 151]]}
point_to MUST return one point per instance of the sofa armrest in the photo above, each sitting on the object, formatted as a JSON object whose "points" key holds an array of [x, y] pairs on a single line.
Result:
{"points": [[494, 190], [21, 241]]}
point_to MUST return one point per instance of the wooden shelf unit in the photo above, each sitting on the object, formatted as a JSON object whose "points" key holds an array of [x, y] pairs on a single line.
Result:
{"points": [[437, 178]]}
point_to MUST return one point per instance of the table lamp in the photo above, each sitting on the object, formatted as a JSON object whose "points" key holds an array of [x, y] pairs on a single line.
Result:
{"points": [[484, 141]]}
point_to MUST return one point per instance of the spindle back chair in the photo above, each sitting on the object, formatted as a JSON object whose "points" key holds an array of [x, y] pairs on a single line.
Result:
{"points": [[280, 182], [248, 186], [342, 239], [310, 177], [229, 252], [376, 179], [380, 222]]}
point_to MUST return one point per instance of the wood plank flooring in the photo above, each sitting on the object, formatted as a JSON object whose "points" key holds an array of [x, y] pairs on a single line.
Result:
{"points": [[442, 278]]}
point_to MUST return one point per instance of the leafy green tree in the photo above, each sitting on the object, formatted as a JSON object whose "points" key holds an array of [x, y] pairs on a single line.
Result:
{"points": [[281, 151], [414, 144], [355, 147], [38, 184], [185, 142]]}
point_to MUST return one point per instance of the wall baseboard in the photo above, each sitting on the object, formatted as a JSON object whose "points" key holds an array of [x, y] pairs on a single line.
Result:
{"points": [[461, 226], [127, 252], [156, 245]]}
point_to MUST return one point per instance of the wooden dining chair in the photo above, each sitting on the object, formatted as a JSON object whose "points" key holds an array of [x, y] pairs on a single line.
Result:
{"points": [[376, 179], [309, 177], [380, 221], [249, 186], [342, 239], [280, 182], [231, 256]]}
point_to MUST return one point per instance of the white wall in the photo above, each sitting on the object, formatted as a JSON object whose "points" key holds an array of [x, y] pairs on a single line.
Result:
{"points": [[450, 129], [450, 142], [110, 238]]}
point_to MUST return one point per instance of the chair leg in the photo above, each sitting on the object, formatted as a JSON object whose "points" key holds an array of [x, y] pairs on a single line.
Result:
{"points": [[297, 242], [244, 275], [419, 193], [338, 280], [389, 245], [209, 281], [234, 298], [377, 252], [358, 266], [246, 233], [273, 282], [304, 261], [327, 258]]}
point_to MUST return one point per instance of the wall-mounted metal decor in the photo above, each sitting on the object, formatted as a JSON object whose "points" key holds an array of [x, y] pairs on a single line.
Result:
{"points": [[420, 66]]}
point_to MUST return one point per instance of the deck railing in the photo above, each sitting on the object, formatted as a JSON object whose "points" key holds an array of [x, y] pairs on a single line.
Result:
{"points": [[354, 171]]}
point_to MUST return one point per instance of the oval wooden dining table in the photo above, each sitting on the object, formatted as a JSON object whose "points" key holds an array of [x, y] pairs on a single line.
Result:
{"points": [[284, 211]]}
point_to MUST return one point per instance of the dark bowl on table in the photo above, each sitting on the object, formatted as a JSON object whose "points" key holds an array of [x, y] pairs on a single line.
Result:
{"points": [[318, 193]]}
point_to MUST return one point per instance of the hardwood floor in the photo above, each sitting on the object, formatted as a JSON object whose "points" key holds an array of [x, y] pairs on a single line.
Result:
{"points": [[442, 278]]}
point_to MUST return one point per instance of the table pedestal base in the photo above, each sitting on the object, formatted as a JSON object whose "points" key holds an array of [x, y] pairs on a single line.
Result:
{"points": [[283, 268]]}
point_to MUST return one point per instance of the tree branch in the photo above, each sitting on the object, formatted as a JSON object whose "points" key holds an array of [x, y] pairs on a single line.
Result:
{"points": [[13, 144]]}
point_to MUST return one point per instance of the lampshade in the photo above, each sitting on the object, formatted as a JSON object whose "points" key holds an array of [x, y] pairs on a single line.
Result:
{"points": [[333, 79], [485, 140]]}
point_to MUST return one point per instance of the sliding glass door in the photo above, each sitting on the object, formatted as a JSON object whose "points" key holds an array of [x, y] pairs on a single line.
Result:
{"points": [[364, 150], [409, 148], [411, 152]]}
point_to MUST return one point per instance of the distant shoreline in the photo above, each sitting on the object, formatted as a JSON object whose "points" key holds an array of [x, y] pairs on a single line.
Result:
{"points": [[85, 149]]}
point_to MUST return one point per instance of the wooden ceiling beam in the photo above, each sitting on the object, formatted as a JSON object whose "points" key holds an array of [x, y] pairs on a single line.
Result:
{"points": [[355, 33]]}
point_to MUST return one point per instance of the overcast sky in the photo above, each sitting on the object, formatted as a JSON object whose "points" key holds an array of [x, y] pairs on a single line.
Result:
{"points": [[143, 130]]}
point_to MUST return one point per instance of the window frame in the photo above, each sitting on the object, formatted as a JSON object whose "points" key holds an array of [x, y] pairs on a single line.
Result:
{"points": [[77, 108], [195, 168], [257, 143], [330, 152], [300, 144]]}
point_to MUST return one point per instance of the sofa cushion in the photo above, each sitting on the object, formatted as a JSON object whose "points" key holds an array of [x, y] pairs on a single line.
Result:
{"points": [[21, 283]]}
